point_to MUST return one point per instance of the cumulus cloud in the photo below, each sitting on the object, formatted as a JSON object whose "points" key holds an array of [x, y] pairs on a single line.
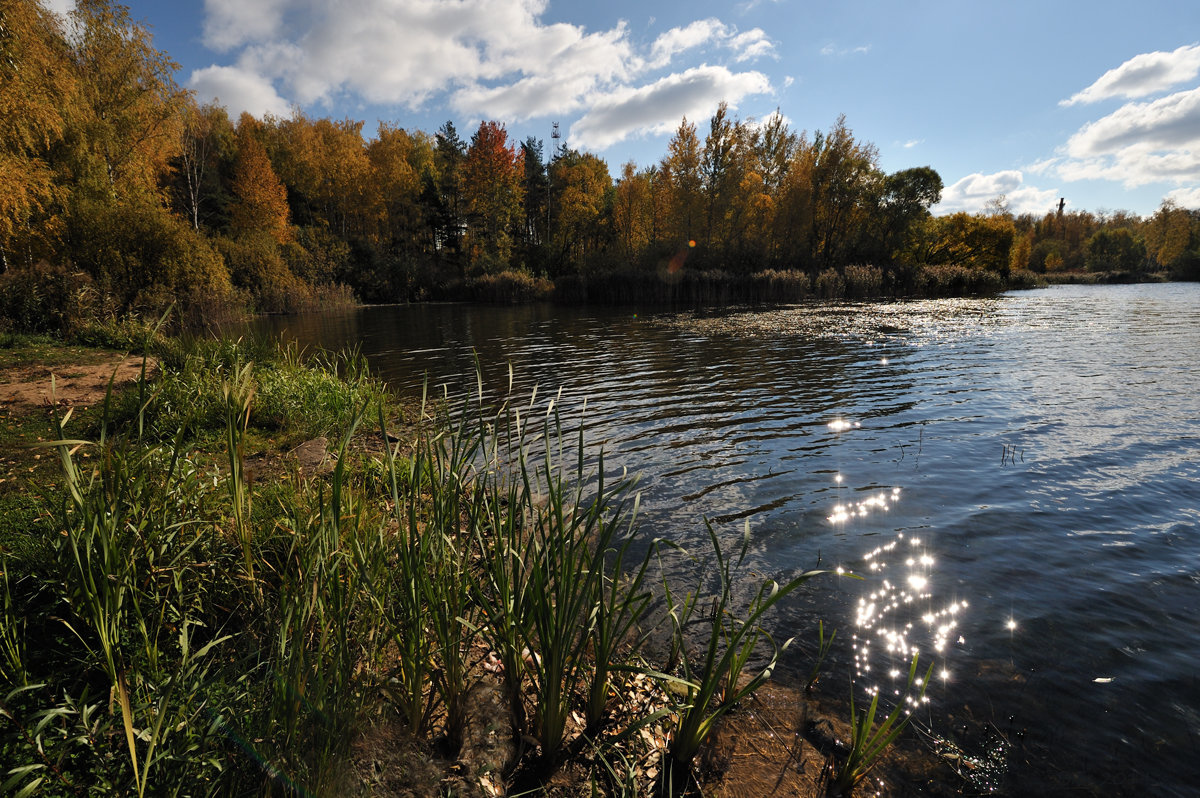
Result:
{"points": [[972, 193], [229, 23], [239, 90], [1142, 75], [746, 46], [1138, 144], [1172, 122], [483, 58], [1185, 197], [658, 107]]}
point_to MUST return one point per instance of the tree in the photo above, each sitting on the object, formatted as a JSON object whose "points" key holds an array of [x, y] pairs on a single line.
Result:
{"points": [[206, 143], [492, 176], [535, 190], [36, 83], [907, 197], [398, 159], [977, 242], [581, 195], [1170, 234], [260, 199], [123, 122], [1114, 251], [442, 193], [681, 173], [846, 185]]}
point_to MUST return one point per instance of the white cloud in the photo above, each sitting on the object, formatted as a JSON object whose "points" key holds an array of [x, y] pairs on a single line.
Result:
{"points": [[833, 49], [658, 107], [972, 193], [230, 23], [1185, 197], [1171, 122], [908, 145], [1138, 144], [1142, 75], [753, 44], [484, 58], [238, 90], [746, 46], [679, 40]]}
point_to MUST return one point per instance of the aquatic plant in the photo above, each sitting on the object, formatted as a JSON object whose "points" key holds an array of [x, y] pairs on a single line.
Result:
{"points": [[868, 743], [712, 683]]}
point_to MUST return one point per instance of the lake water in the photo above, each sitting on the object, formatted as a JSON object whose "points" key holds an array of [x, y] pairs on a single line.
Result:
{"points": [[1017, 478]]}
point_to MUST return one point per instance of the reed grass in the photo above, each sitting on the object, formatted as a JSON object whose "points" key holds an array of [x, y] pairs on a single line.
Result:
{"points": [[730, 663], [194, 632], [869, 742]]}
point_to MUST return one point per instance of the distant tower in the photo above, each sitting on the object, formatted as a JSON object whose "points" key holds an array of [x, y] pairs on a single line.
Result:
{"points": [[555, 135]]}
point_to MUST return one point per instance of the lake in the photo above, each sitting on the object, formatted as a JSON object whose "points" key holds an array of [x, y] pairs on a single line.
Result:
{"points": [[1017, 478]]}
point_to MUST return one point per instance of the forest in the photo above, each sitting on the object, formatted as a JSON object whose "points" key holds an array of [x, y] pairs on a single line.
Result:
{"points": [[123, 193]]}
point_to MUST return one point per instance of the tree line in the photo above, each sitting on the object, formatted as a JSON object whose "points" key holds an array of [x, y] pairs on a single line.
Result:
{"points": [[122, 191]]}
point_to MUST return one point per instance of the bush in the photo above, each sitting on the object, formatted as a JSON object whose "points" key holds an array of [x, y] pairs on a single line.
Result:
{"points": [[139, 253], [45, 298], [863, 281], [509, 286], [829, 284], [257, 266]]}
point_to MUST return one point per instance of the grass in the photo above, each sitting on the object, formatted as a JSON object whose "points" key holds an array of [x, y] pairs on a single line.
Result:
{"points": [[868, 740], [172, 627]]}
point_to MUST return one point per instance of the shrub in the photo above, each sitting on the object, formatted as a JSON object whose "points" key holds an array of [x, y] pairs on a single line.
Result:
{"points": [[45, 298], [829, 284], [510, 286], [863, 281]]}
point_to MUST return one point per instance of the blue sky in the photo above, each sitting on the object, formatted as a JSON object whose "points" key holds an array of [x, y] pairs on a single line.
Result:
{"points": [[1097, 102]]}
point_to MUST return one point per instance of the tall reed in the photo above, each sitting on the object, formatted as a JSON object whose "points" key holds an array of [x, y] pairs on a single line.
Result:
{"points": [[712, 683]]}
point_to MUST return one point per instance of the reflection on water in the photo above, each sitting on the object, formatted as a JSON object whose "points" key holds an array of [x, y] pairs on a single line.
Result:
{"points": [[1048, 448]]}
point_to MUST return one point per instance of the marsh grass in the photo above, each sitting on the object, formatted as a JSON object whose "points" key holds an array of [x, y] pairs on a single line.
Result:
{"points": [[193, 632], [869, 741], [730, 664]]}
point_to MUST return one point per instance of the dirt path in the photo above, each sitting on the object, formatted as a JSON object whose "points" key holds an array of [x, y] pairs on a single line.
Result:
{"points": [[26, 388]]}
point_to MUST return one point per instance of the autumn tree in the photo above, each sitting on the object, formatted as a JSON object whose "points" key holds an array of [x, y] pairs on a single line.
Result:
{"points": [[124, 120], [398, 158], [580, 185], [977, 242], [206, 148], [633, 212], [259, 198], [681, 171], [492, 175], [36, 83], [845, 187], [326, 169], [1170, 234]]}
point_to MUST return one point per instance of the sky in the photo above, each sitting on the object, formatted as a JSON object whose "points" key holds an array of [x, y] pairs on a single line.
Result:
{"points": [[1096, 102]]}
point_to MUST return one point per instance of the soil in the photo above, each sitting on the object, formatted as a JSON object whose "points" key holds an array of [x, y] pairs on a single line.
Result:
{"points": [[26, 388]]}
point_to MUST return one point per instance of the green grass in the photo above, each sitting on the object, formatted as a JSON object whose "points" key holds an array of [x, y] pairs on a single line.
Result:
{"points": [[173, 627]]}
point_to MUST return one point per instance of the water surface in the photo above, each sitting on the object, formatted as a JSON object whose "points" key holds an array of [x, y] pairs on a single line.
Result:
{"points": [[1016, 475]]}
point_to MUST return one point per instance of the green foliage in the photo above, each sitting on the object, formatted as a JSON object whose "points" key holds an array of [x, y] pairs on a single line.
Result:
{"points": [[712, 683], [868, 743], [1114, 251]]}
